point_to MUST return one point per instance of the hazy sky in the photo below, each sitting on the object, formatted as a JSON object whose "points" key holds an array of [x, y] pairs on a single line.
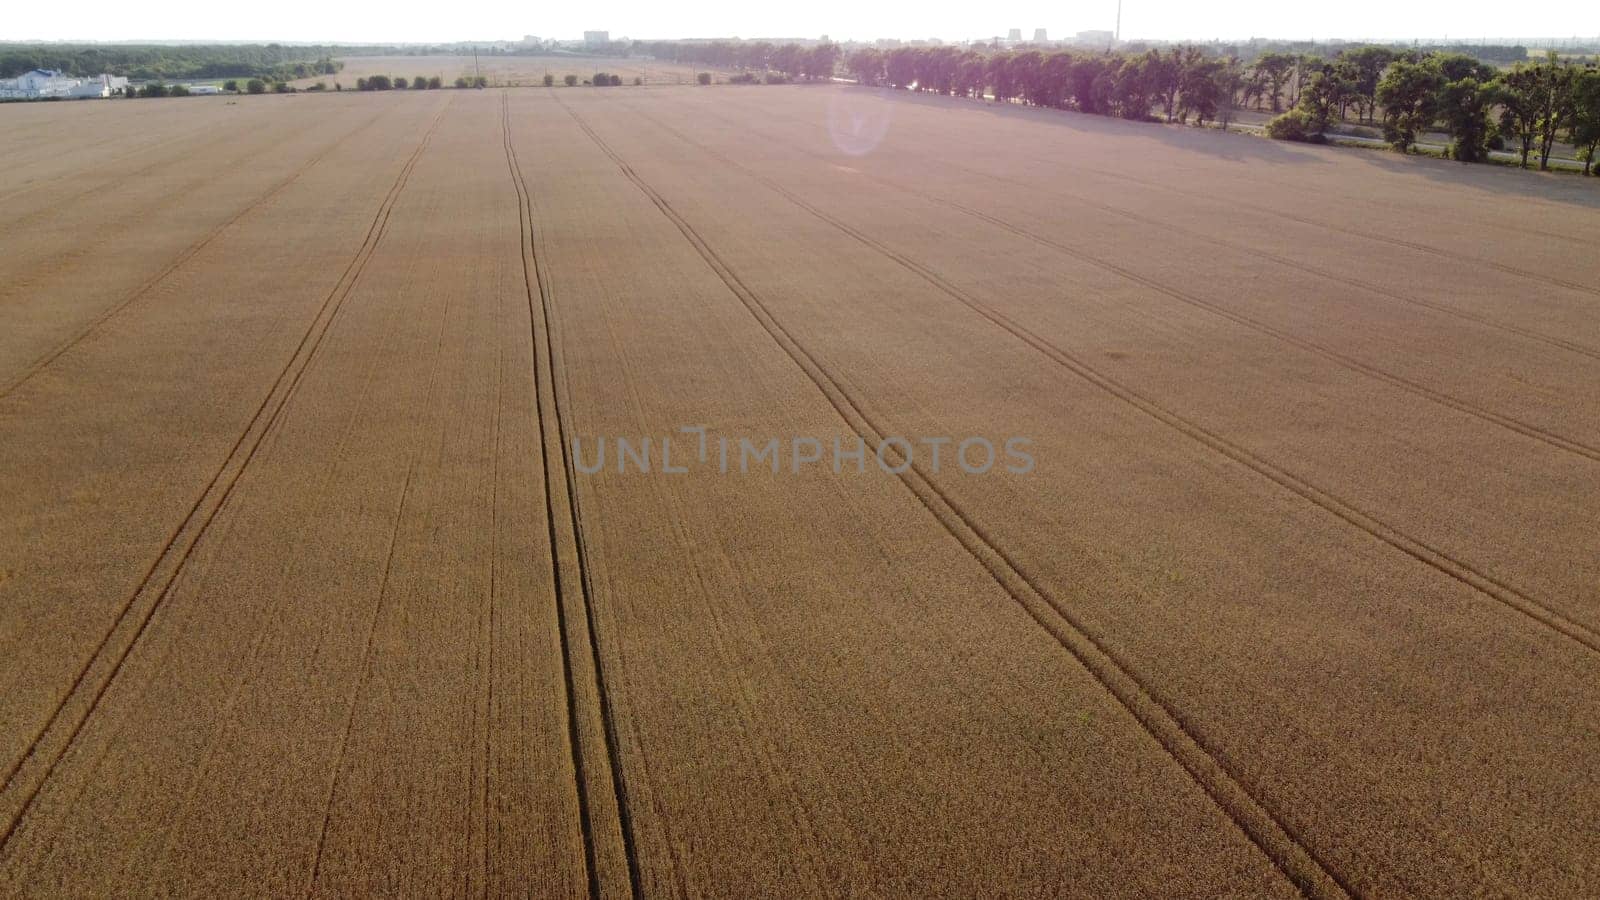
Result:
{"points": [[433, 20]]}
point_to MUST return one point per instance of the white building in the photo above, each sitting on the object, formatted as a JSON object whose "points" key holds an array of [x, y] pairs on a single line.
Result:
{"points": [[42, 84]]}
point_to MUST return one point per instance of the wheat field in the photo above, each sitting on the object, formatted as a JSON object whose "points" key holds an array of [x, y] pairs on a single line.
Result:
{"points": [[308, 583]]}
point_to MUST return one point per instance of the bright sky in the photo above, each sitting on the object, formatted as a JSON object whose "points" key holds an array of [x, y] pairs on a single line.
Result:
{"points": [[375, 21]]}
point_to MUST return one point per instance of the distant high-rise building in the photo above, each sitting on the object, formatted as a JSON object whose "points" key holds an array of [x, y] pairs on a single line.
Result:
{"points": [[1014, 35], [1095, 38], [596, 37], [1038, 36]]}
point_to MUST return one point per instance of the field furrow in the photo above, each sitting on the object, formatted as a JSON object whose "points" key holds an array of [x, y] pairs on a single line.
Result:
{"points": [[857, 307], [1507, 566], [572, 492]]}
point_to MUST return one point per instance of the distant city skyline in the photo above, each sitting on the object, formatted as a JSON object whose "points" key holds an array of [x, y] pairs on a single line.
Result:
{"points": [[410, 21]]}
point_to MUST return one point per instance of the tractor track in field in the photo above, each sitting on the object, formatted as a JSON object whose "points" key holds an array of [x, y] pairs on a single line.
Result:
{"points": [[145, 287], [1526, 429], [220, 137], [20, 283], [180, 545], [1277, 839], [1417, 246], [1340, 229], [1287, 262], [369, 653], [1389, 240], [108, 164], [1383, 206], [494, 594], [1456, 568], [535, 283], [1361, 284]]}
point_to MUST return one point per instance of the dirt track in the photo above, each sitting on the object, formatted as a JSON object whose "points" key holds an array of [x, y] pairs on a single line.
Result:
{"points": [[303, 587]]}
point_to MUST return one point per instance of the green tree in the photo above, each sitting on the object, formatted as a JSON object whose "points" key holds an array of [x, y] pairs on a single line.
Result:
{"points": [[1132, 92], [971, 75], [255, 86], [1585, 124], [820, 61], [1368, 65], [866, 66], [1304, 66], [231, 86], [1105, 90], [789, 59], [1231, 81], [1464, 106], [1537, 101], [1561, 107], [401, 83], [1408, 94], [549, 80], [435, 82], [1521, 106], [1467, 94], [1025, 72], [572, 80], [1202, 90], [1324, 94], [1163, 75], [997, 75], [153, 89], [1275, 69], [1085, 72], [701, 78]]}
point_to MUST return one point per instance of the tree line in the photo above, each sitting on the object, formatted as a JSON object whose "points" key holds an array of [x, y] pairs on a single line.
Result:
{"points": [[1478, 105], [814, 63], [401, 83], [157, 62]]}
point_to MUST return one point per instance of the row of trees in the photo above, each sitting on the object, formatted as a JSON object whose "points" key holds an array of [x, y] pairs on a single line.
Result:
{"points": [[158, 62], [813, 63], [231, 86], [401, 83], [1182, 82], [1478, 105]]}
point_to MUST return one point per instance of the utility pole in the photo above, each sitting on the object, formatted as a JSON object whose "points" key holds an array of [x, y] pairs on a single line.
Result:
{"points": [[1116, 35], [477, 73]]}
